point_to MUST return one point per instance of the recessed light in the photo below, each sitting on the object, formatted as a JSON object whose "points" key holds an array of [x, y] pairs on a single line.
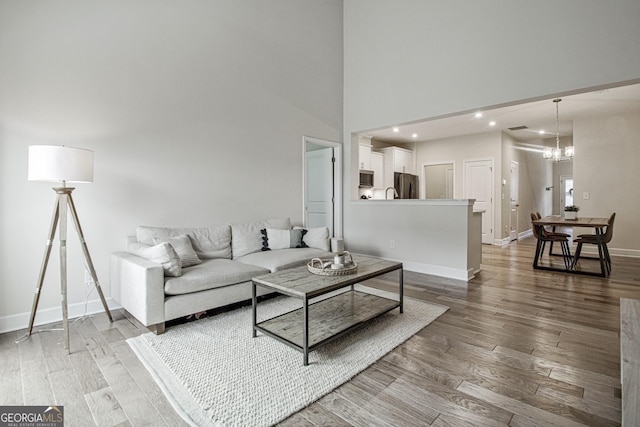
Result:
{"points": [[492, 123], [414, 135], [541, 131], [478, 115], [396, 130]]}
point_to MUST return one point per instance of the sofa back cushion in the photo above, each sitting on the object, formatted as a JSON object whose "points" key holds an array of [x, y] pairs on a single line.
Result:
{"points": [[208, 242], [247, 238]]}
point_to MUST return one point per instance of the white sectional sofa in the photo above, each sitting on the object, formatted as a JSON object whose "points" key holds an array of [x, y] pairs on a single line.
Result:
{"points": [[168, 273]]}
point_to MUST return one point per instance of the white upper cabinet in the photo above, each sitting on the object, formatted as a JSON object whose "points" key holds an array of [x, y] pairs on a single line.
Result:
{"points": [[364, 153], [377, 166], [403, 161], [396, 159]]}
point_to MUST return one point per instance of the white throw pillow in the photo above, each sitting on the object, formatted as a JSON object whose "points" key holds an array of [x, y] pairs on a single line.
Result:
{"points": [[183, 247], [246, 238], [316, 238], [281, 239], [163, 254]]}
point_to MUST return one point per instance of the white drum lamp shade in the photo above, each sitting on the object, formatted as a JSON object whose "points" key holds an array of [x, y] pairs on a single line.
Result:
{"points": [[55, 163]]}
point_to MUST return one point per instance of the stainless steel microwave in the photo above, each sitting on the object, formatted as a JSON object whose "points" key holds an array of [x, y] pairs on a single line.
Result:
{"points": [[366, 178]]}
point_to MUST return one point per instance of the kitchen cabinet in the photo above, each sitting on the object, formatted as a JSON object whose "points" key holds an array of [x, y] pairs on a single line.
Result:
{"points": [[377, 166], [364, 152], [396, 159]]}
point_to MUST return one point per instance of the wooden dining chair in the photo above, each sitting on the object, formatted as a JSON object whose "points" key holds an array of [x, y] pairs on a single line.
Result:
{"points": [[545, 236], [592, 239]]}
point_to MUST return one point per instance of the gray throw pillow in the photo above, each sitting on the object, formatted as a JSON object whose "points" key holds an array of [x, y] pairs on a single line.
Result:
{"points": [[183, 247], [163, 254]]}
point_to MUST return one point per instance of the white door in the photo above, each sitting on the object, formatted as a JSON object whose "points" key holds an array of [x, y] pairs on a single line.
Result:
{"points": [[513, 201], [566, 194], [478, 184], [449, 183], [319, 188]]}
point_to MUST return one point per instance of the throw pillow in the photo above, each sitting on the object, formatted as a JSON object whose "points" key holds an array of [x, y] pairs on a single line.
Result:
{"points": [[281, 239], [247, 239], [163, 254], [316, 238], [183, 247]]}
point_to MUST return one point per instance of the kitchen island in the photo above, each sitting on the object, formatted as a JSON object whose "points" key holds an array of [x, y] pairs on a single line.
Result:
{"points": [[439, 237]]}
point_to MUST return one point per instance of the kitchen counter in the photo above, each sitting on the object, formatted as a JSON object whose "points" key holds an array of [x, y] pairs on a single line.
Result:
{"points": [[421, 202]]}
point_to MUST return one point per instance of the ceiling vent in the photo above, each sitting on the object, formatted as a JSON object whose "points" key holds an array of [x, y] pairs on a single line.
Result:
{"points": [[519, 128]]}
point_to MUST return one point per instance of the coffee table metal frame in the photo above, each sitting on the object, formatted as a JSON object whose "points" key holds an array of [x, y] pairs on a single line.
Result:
{"points": [[301, 284]]}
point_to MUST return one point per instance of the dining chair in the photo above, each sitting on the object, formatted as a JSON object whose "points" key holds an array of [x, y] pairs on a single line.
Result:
{"points": [[552, 231], [592, 239], [545, 236]]}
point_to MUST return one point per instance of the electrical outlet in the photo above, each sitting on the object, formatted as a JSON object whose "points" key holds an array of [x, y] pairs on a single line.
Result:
{"points": [[87, 277], [586, 195], [392, 244]]}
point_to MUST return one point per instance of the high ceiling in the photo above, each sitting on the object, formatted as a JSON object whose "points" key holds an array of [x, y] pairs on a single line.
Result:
{"points": [[536, 116]]}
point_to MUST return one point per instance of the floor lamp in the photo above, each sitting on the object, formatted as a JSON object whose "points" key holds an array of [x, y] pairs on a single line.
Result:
{"points": [[62, 164]]}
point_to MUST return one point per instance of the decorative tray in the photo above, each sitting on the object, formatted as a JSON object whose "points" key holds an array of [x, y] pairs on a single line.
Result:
{"points": [[328, 267]]}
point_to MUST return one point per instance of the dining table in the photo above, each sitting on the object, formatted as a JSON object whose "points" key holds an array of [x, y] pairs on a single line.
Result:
{"points": [[598, 224]]}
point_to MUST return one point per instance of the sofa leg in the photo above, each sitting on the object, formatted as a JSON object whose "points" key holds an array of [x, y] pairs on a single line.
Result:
{"points": [[157, 329]]}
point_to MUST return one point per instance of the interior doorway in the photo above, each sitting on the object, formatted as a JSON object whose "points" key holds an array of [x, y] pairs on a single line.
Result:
{"points": [[478, 185], [438, 180], [566, 190], [514, 190], [322, 184]]}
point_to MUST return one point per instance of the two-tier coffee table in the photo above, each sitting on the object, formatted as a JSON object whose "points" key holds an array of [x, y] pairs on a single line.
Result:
{"points": [[319, 322]]}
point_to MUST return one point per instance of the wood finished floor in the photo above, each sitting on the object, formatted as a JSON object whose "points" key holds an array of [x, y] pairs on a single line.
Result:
{"points": [[517, 347]]}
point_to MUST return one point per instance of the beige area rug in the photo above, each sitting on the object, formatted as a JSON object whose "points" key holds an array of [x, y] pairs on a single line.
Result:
{"points": [[215, 374]]}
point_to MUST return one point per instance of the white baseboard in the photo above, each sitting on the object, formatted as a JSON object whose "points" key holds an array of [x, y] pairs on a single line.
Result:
{"points": [[438, 270], [44, 316], [506, 241], [501, 242], [525, 234]]}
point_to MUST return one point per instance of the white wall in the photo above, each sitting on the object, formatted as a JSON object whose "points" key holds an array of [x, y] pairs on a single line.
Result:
{"points": [[410, 60], [195, 111], [606, 166], [413, 59]]}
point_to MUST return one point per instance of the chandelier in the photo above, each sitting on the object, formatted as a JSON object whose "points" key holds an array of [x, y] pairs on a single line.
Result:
{"points": [[556, 153]]}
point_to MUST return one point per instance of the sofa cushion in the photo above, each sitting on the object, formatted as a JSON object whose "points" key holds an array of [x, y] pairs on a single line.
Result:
{"points": [[162, 253], [246, 238], [183, 247], [283, 258], [316, 238], [208, 242], [211, 273], [282, 239]]}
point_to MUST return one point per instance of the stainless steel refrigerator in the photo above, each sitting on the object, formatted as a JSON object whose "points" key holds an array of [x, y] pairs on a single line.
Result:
{"points": [[406, 185]]}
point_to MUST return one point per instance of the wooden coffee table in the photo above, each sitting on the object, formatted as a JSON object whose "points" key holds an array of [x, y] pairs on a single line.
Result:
{"points": [[319, 322]]}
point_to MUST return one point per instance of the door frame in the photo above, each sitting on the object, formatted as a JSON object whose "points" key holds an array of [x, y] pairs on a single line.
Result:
{"points": [[492, 235], [423, 176], [514, 204], [561, 199], [337, 180]]}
